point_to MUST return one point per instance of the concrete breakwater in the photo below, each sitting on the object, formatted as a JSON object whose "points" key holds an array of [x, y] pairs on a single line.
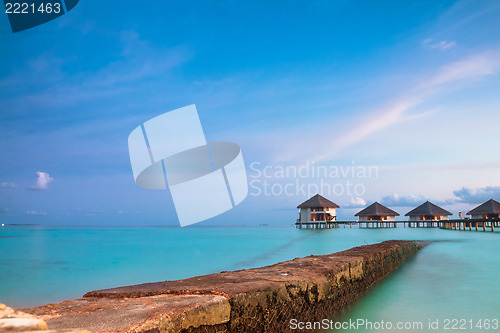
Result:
{"points": [[254, 300]]}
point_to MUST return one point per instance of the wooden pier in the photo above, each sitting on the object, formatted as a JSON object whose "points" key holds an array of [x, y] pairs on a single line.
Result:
{"points": [[457, 224], [317, 224], [320, 213], [471, 224]]}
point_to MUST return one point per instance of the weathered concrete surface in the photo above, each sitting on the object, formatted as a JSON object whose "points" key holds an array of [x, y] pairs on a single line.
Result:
{"points": [[254, 300], [12, 320], [163, 312]]}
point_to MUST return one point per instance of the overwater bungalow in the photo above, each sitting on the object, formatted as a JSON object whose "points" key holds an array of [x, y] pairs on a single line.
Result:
{"points": [[377, 213], [488, 210], [317, 212], [485, 216], [428, 213]]}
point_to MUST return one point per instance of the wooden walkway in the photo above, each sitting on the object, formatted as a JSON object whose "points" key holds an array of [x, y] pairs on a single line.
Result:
{"points": [[458, 224]]}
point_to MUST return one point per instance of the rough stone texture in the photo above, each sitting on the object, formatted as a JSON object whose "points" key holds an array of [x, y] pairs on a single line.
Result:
{"points": [[59, 331], [16, 321], [166, 313], [254, 300]]}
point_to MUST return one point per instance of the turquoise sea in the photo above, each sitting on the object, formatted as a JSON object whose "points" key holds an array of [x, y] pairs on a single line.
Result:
{"points": [[457, 277]]}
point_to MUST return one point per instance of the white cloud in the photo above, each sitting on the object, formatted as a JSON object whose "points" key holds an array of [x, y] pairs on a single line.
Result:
{"points": [[8, 185], [357, 202], [402, 201], [477, 195], [42, 182]]}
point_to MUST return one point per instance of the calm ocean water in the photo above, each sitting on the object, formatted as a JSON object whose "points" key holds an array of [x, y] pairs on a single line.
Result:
{"points": [[458, 277]]}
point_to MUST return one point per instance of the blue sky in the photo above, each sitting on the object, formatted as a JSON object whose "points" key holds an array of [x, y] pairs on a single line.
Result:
{"points": [[408, 87]]}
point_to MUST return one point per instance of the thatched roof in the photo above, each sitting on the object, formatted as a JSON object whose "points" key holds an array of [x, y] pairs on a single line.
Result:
{"points": [[428, 208], [377, 209], [489, 207], [318, 202]]}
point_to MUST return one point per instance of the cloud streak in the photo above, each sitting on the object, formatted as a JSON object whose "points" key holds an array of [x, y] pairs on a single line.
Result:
{"points": [[442, 45], [55, 83], [380, 119], [466, 71], [453, 76], [35, 213], [8, 185]]}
